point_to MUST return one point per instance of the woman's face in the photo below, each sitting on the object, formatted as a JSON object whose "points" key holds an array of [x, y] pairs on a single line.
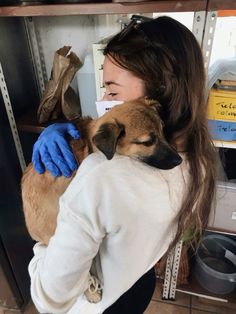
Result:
{"points": [[120, 84]]}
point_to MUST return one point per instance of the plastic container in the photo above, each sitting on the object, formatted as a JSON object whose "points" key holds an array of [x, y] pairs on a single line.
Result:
{"points": [[222, 130], [87, 87], [224, 69], [215, 264], [221, 114]]}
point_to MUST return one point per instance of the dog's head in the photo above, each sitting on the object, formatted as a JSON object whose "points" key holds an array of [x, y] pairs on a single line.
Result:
{"points": [[135, 129]]}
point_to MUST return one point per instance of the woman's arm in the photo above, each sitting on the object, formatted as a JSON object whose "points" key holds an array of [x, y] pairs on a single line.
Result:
{"points": [[52, 152], [59, 273]]}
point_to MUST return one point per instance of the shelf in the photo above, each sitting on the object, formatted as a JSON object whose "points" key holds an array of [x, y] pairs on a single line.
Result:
{"points": [[221, 231], [194, 288], [224, 13], [103, 8], [117, 7], [223, 144], [214, 5], [28, 123]]}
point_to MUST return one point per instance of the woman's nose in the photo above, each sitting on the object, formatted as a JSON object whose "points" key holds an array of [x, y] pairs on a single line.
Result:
{"points": [[105, 97]]}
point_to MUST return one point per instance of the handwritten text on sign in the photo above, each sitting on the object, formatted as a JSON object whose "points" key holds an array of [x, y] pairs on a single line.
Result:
{"points": [[226, 110]]}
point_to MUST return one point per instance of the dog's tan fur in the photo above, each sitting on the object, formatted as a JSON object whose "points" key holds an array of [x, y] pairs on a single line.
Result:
{"points": [[133, 129]]}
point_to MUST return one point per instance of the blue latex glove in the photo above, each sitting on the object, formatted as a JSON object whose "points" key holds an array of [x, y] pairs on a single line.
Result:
{"points": [[52, 151]]}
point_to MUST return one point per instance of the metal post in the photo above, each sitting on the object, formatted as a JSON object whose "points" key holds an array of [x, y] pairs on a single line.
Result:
{"points": [[11, 119], [175, 269], [198, 25], [37, 54], [171, 272], [167, 279], [208, 36]]}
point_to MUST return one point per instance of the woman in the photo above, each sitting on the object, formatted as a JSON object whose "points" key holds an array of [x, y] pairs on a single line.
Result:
{"points": [[113, 211]]}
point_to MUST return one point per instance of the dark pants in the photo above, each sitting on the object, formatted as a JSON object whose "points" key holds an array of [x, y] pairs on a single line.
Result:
{"points": [[137, 298]]}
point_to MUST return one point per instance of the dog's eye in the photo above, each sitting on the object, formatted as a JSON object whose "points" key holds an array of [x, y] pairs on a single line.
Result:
{"points": [[151, 140], [147, 142]]}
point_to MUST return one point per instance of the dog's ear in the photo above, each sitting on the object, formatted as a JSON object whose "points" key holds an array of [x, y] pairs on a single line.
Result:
{"points": [[152, 103], [106, 138]]}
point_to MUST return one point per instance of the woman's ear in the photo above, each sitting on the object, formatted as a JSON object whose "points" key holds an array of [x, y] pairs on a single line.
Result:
{"points": [[106, 138]]}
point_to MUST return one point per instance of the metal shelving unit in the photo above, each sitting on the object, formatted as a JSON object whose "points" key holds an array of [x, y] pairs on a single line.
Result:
{"points": [[203, 28]]}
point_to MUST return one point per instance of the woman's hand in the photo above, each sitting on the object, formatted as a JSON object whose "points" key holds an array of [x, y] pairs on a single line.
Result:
{"points": [[53, 153]]}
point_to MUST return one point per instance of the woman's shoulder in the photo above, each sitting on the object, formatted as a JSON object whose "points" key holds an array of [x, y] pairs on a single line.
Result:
{"points": [[91, 161], [97, 163]]}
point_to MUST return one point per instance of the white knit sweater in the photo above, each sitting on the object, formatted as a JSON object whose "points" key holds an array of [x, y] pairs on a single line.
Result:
{"points": [[117, 217]]}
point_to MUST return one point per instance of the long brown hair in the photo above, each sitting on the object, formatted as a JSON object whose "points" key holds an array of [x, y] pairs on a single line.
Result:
{"points": [[167, 57]]}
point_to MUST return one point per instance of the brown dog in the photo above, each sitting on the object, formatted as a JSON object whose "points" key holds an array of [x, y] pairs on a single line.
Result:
{"points": [[133, 129]]}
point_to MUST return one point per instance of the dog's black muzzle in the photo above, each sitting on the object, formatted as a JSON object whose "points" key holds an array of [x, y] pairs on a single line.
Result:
{"points": [[164, 157]]}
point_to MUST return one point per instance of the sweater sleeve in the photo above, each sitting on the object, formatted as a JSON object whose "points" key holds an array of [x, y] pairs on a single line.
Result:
{"points": [[59, 273]]}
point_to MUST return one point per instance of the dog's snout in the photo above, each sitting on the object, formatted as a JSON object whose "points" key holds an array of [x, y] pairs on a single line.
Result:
{"points": [[164, 157], [175, 160]]}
